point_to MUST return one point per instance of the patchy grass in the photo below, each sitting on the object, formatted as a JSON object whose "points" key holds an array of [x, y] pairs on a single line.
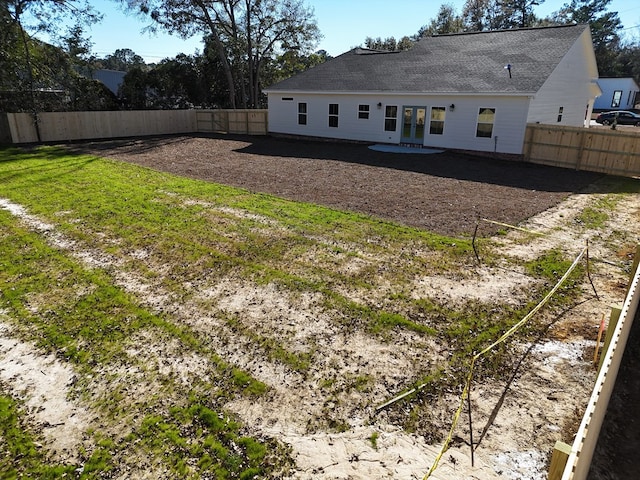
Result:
{"points": [[20, 456], [596, 215], [183, 237]]}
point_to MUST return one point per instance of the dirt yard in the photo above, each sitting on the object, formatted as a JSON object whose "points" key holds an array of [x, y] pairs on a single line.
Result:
{"points": [[518, 416], [444, 193]]}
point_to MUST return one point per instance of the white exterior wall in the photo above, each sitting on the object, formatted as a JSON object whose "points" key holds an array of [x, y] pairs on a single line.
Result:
{"points": [[459, 128], [570, 86], [628, 87]]}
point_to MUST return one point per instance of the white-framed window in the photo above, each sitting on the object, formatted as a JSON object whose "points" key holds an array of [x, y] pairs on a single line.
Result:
{"points": [[486, 118], [560, 111], [363, 112], [333, 115], [302, 113], [617, 97], [436, 124], [390, 118]]}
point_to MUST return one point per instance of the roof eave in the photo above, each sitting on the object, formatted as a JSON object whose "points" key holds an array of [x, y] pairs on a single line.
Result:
{"points": [[398, 94]]}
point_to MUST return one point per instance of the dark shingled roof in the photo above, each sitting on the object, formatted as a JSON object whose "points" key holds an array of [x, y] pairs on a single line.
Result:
{"points": [[456, 63]]}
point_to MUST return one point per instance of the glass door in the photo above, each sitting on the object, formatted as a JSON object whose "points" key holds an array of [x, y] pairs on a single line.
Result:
{"points": [[413, 124]]}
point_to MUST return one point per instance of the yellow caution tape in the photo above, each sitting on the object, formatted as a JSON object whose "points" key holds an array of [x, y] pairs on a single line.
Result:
{"points": [[500, 340]]}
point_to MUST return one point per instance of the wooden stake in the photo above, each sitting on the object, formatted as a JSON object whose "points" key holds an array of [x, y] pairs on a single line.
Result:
{"points": [[470, 422], [589, 273], [600, 330], [473, 241]]}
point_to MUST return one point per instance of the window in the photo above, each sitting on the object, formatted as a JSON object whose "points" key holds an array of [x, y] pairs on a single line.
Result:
{"points": [[560, 110], [333, 115], [363, 112], [486, 116], [390, 118], [302, 114], [287, 99], [617, 96], [436, 126]]}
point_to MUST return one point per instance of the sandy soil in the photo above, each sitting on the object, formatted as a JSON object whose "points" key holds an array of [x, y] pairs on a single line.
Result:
{"points": [[516, 421]]}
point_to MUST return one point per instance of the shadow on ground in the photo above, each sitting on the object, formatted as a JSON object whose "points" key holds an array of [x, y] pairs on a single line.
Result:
{"points": [[444, 193]]}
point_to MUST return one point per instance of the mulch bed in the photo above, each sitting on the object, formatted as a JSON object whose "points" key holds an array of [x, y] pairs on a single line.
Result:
{"points": [[444, 193]]}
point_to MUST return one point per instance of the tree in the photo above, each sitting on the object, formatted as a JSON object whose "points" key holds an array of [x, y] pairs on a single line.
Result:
{"points": [[26, 18], [134, 89], [628, 61], [447, 21], [604, 30], [405, 43], [11, 53], [291, 63], [475, 15], [246, 34], [123, 59], [519, 13], [390, 44], [181, 82]]}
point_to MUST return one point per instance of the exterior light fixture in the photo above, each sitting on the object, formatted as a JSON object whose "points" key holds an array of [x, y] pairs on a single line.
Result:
{"points": [[379, 104], [452, 107]]}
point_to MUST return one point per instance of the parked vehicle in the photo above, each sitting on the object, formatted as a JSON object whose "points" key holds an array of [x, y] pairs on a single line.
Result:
{"points": [[622, 117]]}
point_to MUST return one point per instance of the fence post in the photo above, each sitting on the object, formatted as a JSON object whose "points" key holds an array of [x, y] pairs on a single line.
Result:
{"points": [[559, 457], [613, 321], [529, 136]]}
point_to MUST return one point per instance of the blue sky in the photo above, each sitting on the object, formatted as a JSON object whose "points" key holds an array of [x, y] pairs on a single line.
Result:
{"points": [[343, 23]]}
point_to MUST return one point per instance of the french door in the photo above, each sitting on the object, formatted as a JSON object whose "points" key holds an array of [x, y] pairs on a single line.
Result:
{"points": [[413, 124]]}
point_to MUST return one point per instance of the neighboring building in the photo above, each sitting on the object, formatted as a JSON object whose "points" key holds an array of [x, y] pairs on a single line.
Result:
{"points": [[111, 78], [617, 94], [472, 91]]}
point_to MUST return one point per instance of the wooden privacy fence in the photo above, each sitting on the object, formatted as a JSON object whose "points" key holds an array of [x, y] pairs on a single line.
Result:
{"points": [[615, 152], [65, 126], [572, 462], [250, 122]]}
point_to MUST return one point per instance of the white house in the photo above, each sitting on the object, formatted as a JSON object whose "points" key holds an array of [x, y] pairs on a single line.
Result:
{"points": [[471, 91], [617, 94]]}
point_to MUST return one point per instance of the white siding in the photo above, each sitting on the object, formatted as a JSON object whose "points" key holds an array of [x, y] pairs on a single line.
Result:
{"points": [[459, 128], [460, 124], [570, 86], [283, 117], [629, 90]]}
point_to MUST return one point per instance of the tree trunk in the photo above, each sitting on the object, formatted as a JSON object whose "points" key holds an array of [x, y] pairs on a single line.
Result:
{"points": [[222, 54], [27, 56], [256, 84], [250, 66], [227, 70]]}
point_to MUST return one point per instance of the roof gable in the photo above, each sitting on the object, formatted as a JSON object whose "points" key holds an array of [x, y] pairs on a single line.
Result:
{"points": [[455, 63]]}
